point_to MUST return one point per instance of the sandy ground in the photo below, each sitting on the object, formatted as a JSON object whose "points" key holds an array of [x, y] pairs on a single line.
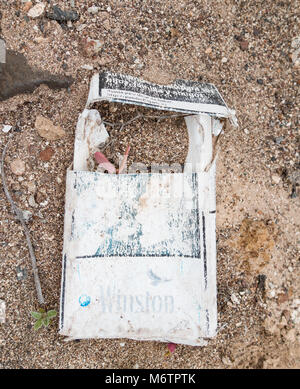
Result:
{"points": [[248, 49]]}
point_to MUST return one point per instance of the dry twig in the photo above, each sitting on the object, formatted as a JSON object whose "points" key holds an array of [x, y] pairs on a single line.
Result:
{"points": [[19, 216]]}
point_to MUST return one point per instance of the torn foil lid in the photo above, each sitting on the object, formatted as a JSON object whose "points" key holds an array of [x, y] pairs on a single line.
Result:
{"points": [[139, 256]]}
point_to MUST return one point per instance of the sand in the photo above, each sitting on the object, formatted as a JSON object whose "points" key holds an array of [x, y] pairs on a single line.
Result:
{"points": [[257, 171]]}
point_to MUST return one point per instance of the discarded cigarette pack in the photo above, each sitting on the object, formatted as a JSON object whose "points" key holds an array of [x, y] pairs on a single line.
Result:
{"points": [[139, 255]]}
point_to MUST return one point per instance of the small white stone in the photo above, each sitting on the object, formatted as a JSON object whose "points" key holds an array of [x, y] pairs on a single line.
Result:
{"points": [[276, 179], [36, 11], [27, 215], [234, 299], [93, 10], [80, 27], [17, 166], [2, 311], [226, 361], [246, 131], [122, 344], [108, 9], [87, 67], [31, 201], [6, 128], [224, 60], [272, 293]]}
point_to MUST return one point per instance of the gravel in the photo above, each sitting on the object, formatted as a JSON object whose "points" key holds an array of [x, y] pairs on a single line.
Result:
{"points": [[160, 42]]}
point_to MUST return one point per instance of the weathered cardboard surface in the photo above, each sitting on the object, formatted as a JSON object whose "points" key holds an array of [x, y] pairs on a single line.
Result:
{"points": [[139, 256], [137, 262]]}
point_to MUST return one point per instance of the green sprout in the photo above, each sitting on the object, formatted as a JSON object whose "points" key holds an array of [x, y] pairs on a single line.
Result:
{"points": [[43, 318]]}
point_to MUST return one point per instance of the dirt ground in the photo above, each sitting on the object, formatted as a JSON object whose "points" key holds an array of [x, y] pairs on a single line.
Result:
{"points": [[248, 49]]}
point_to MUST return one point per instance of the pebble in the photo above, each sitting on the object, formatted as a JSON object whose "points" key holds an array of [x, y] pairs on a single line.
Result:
{"points": [[80, 27], [279, 139], [36, 11], [286, 314], [272, 293], [21, 273], [91, 46], [244, 45], [31, 201], [31, 186], [93, 10], [276, 179], [122, 344], [27, 216], [256, 31], [291, 335], [17, 167], [234, 299], [246, 131], [62, 16], [224, 60], [6, 128], [2, 311], [271, 327], [87, 67], [226, 361], [47, 129], [46, 154]]}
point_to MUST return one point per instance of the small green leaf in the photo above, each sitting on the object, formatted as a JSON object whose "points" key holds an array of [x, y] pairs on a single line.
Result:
{"points": [[51, 313], [46, 321], [42, 310], [38, 324], [36, 315]]}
